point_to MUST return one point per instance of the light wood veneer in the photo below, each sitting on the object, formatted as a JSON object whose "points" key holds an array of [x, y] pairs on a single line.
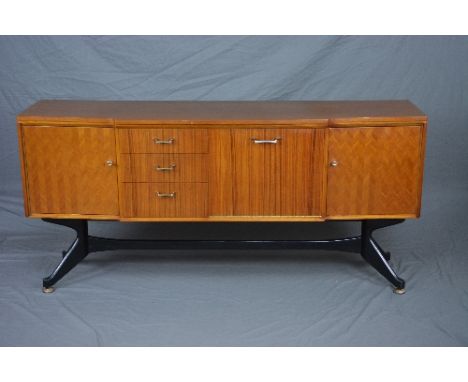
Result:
{"points": [[270, 179], [67, 172], [163, 167], [199, 161], [378, 170]]}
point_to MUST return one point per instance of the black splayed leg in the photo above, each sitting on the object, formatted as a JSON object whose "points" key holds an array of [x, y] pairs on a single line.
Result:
{"points": [[385, 254], [375, 256], [77, 251]]}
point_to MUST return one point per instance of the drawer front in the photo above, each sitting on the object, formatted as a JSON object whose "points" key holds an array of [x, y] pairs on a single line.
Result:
{"points": [[164, 200], [164, 141], [163, 168]]}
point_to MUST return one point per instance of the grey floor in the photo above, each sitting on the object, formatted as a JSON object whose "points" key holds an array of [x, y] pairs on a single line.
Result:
{"points": [[237, 298]]}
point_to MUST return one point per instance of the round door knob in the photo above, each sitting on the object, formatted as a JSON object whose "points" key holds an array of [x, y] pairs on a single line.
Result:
{"points": [[334, 163], [109, 163]]}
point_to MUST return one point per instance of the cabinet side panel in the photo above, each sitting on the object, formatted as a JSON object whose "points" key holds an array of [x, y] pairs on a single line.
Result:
{"points": [[423, 155], [67, 171], [377, 171], [220, 173], [23, 169]]}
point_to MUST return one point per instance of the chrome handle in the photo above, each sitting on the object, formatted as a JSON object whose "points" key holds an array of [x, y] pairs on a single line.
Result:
{"points": [[170, 168], [163, 195], [109, 162], [334, 163], [159, 141], [263, 141]]}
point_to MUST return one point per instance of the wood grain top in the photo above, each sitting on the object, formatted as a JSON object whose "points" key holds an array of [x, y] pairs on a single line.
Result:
{"points": [[313, 113]]}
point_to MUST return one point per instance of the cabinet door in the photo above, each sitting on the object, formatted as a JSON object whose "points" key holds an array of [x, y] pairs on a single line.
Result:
{"points": [[374, 171], [277, 172], [67, 170]]}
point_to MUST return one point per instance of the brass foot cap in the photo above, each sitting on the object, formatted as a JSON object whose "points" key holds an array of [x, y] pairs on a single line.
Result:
{"points": [[399, 290], [48, 290]]}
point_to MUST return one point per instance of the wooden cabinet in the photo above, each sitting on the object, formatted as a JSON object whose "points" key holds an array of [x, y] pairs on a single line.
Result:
{"points": [[228, 161], [70, 170], [374, 171]]}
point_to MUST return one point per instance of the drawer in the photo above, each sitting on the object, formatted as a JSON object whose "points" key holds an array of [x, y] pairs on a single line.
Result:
{"points": [[163, 200], [163, 140], [163, 168]]}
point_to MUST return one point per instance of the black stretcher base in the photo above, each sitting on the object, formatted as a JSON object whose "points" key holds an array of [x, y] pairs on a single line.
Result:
{"points": [[363, 244]]}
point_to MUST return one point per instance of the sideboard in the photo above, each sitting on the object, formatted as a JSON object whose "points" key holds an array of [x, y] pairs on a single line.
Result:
{"points": [[250, 161]]}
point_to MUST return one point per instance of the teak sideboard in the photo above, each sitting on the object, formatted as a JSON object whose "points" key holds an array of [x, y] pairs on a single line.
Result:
{"points": [[255, 161]]}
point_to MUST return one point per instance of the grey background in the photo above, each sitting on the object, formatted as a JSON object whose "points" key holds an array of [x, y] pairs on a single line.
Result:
{"points": [[275, 298]]}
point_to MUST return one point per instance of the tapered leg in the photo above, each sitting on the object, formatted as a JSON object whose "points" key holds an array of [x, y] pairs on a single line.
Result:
{"points": [[375, 256], [69, 248], [386, 254], [77, 251]]}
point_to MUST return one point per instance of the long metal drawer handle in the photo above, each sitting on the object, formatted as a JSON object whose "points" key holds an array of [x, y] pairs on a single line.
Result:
{"points": [[263, 141], [163, 195], [170, 168], [159, 141]]}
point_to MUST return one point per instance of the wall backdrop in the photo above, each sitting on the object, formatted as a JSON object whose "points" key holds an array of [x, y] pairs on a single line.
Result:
{"points": [[241, 298]]}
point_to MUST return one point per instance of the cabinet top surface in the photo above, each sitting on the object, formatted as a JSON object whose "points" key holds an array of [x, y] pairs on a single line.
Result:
{"points": [[313, 113]]}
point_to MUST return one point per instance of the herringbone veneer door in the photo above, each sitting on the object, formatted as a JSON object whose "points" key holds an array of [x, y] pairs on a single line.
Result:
{"points": [[374, 171], [67, 170]]}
